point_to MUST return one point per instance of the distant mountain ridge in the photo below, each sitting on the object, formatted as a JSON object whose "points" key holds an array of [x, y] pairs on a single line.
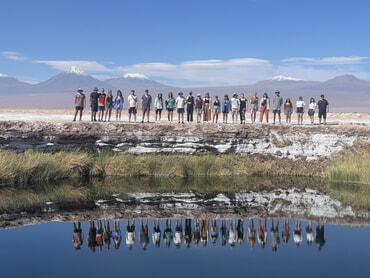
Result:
{"points": [[345, 93]]}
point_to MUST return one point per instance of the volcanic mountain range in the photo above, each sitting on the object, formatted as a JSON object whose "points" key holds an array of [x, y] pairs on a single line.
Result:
{"points": [[345, 93]]}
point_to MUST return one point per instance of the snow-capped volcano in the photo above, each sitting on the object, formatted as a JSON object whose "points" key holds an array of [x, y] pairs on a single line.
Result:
{"points": [[75, 70], [285, 78], [135, 75]]}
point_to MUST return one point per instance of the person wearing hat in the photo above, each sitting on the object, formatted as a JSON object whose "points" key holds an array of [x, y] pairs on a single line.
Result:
{"points": [[277, 101], [190, 107], [80, 102], [94, 103]]}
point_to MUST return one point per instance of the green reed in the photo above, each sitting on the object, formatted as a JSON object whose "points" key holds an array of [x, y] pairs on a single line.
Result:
{"points": [[351, 165]]}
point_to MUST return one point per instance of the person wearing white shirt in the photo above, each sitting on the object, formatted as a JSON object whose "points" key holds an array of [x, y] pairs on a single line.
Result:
{"points": [[180, 106]]}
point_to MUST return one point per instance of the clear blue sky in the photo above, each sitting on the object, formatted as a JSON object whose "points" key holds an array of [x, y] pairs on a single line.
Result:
{"points": [[186, 43]]}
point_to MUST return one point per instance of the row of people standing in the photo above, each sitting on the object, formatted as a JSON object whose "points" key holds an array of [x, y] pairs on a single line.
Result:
{"points": [[205, 108], [322, 106]]}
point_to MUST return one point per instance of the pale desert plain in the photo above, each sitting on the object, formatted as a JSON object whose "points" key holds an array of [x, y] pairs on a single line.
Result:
{"points": [[66, 115]]}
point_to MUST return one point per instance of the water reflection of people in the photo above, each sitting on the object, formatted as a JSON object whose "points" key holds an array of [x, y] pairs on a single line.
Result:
{"points": [[251, 233], [107, 234], [214, 231], [232, 234], [297, 232], [177, 239], [77, 237], [275, 238], [168, 233], [285, 233], [309, 234], [223, 232], [144, 233], [227, 232], [99, 235], [91, 237], [240, 231], [196, 232], [130, 233], [320, 236], [204, 232], [116, 235], [156, 235], [262, 232], [188, 233]]}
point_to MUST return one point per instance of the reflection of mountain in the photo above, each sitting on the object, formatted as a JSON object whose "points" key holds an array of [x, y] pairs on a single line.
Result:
{"points": [[345, 93]]}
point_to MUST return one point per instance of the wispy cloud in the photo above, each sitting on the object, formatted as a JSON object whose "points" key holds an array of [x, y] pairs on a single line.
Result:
{"points": [[327, 61], [215, 72], [206, 72], [16, 56], [86, 66]]}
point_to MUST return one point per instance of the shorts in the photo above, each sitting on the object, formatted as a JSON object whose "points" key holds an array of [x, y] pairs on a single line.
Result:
{"points": [[158, 111], [198, 111], [94, 107], [254, 106], [169, 109], [132, 110], [216, 108], [322, 114], [299, 109], [234, 111], [311, 112], [101, 108], [79, 108], [288, 111], [276, 111], [180, 110], [146, 110]]}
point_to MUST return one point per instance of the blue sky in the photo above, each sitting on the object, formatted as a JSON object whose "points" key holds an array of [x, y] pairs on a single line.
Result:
{"points": [[186, 43]]}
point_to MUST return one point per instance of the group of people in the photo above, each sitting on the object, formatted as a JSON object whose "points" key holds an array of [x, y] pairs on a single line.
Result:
{"points": [[205, 108], [197, 232]]}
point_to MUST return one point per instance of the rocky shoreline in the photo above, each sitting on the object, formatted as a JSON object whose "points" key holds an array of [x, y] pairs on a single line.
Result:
{"points": [[309, 142], [291, 141]]}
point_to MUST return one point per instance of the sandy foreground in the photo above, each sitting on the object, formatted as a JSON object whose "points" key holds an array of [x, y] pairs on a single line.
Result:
{"points": [[66, 115]]}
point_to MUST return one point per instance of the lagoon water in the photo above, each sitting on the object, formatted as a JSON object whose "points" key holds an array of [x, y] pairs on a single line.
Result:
{"points": [[46, 250]]}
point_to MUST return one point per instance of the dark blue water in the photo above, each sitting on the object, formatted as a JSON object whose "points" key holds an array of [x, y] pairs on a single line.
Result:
{"points": [[47, 250]]}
